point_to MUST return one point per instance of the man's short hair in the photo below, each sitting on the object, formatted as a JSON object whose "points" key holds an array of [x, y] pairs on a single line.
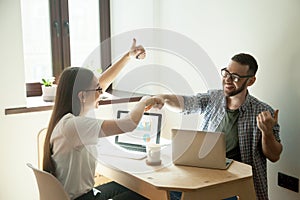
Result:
{"points": [[246, 59]]}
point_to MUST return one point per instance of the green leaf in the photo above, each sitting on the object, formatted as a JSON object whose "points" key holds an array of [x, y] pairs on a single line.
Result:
{"points": [[47, 82]]}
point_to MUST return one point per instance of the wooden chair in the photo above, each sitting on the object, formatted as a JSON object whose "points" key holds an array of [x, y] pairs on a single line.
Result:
{"points": [[99, 179], [41, 141], [49, 187]]}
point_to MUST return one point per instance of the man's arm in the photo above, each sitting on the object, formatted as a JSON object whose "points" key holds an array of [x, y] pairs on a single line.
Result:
{"points": [[270, 146], [173, 102]]}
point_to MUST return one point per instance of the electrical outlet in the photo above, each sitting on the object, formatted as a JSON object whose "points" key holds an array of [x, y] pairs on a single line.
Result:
{"points": [[288, 182]]}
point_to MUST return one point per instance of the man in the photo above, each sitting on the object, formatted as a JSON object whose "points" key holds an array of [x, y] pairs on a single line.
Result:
{"points": [[250, 126]]}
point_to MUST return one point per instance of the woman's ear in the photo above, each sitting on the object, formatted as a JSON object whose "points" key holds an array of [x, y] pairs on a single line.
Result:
{"points": [[251, 81], [81, 96]]}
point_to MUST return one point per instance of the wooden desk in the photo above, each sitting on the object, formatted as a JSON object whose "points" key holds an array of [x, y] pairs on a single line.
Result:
{"points": [[195, 183]]}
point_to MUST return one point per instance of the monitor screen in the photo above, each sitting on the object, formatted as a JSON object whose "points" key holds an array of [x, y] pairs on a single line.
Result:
{"points": [[147, 131]]}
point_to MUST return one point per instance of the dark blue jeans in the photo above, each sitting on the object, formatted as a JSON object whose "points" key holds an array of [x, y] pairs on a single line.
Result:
{"points": [[174, 195]]}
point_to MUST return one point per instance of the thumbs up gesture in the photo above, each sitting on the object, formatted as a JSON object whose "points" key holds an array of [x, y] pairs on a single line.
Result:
{"points": [[137, 52]]}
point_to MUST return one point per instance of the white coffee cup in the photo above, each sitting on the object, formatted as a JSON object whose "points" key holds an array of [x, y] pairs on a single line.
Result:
{"points": [[153, 154]]}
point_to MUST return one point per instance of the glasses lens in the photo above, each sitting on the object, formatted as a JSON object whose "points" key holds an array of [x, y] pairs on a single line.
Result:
{"points": [[235, 78], [224, 73]]}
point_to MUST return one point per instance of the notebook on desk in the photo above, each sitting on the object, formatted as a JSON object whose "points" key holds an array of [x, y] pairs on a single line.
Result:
{"points": [[147, 131], [199, 149]]}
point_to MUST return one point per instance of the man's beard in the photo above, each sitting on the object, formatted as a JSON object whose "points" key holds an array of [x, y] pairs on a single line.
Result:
{"points": [[235, 92]]}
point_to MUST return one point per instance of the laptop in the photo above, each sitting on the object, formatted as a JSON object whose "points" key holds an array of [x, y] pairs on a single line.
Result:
{"points": [[147, 131], [199, 149]]}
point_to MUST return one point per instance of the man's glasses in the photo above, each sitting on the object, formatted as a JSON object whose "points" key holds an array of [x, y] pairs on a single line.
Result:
{"points": [[234, 77], [98, 89]]}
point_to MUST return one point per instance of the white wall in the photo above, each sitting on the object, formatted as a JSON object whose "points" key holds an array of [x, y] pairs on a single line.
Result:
{"points": [[267, 29], [18, 132]]}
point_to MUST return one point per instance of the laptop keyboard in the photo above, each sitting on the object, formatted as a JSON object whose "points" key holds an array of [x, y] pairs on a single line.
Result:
{"points": [[130, 148]]}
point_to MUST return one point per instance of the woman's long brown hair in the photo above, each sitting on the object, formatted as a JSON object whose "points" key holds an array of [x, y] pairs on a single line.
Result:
{"points": [[71, 82]]}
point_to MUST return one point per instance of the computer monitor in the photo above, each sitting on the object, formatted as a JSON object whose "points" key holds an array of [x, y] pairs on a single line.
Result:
{"points": [[147, 131]]}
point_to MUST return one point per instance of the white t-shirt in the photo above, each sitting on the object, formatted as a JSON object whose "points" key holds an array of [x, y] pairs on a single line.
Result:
{"points": [[74, 152]]}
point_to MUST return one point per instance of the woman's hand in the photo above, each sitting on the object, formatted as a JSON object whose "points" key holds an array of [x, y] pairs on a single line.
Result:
{"points": [[110, 74], [137, 52], [155, 102]]}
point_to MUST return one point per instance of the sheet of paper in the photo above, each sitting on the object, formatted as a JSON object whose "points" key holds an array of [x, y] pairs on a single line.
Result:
{"points": [[107, 148]]}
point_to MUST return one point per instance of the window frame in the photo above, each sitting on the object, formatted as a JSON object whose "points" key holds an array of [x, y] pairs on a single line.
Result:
{"points": [[60, 45]]}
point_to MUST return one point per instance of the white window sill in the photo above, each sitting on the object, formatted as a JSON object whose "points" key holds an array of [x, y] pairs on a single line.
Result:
{"points": [[36, 104]]}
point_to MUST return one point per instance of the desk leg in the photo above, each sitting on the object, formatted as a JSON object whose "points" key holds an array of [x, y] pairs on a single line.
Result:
{"points": [[243, 188]]}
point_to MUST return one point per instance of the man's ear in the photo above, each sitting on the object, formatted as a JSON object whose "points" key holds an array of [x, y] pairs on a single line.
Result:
{"points": [[251, 81], [81, 96]]}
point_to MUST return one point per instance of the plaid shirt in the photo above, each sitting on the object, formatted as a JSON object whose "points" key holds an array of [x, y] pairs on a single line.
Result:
{"points": [[213, 105]]}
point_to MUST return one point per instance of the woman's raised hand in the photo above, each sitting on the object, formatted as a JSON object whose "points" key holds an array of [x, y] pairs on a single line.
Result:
{"points": [[137, 52]]}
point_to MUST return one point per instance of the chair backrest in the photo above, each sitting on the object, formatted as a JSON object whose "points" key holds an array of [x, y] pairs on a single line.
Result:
{"points": [[49, 187], [41, 141]]}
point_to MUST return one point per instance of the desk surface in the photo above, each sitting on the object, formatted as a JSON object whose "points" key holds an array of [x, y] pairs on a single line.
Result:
{"points": [[177, 177], [172, 177]]}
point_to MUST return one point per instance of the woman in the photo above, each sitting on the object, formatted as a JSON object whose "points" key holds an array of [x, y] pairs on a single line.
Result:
{"points": [[72, 136]]}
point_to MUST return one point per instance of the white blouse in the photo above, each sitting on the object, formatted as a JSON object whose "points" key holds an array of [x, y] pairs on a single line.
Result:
{"points": [[74, 152]]}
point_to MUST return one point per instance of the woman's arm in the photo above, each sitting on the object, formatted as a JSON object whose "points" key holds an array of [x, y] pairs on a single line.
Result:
{"points": [[109, 75], [130, 122]]}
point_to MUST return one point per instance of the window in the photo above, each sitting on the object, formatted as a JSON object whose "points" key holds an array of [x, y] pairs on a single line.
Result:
{"points": [[36, 40], [61, 33]]}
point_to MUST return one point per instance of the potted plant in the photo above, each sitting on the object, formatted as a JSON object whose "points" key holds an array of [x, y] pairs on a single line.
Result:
{"points": [[48, 89]]}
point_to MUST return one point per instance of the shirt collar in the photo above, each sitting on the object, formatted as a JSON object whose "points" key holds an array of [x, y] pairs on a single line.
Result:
{"points": [[243, 107], [246, 103]]}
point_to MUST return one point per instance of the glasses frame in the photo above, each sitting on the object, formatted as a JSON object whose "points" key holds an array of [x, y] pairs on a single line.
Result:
{"points": [[98, 89], [234, 77]]}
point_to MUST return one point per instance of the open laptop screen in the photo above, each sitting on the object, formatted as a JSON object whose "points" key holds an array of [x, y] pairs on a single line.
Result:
{"points": [[148, 130], [199, 149]]}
